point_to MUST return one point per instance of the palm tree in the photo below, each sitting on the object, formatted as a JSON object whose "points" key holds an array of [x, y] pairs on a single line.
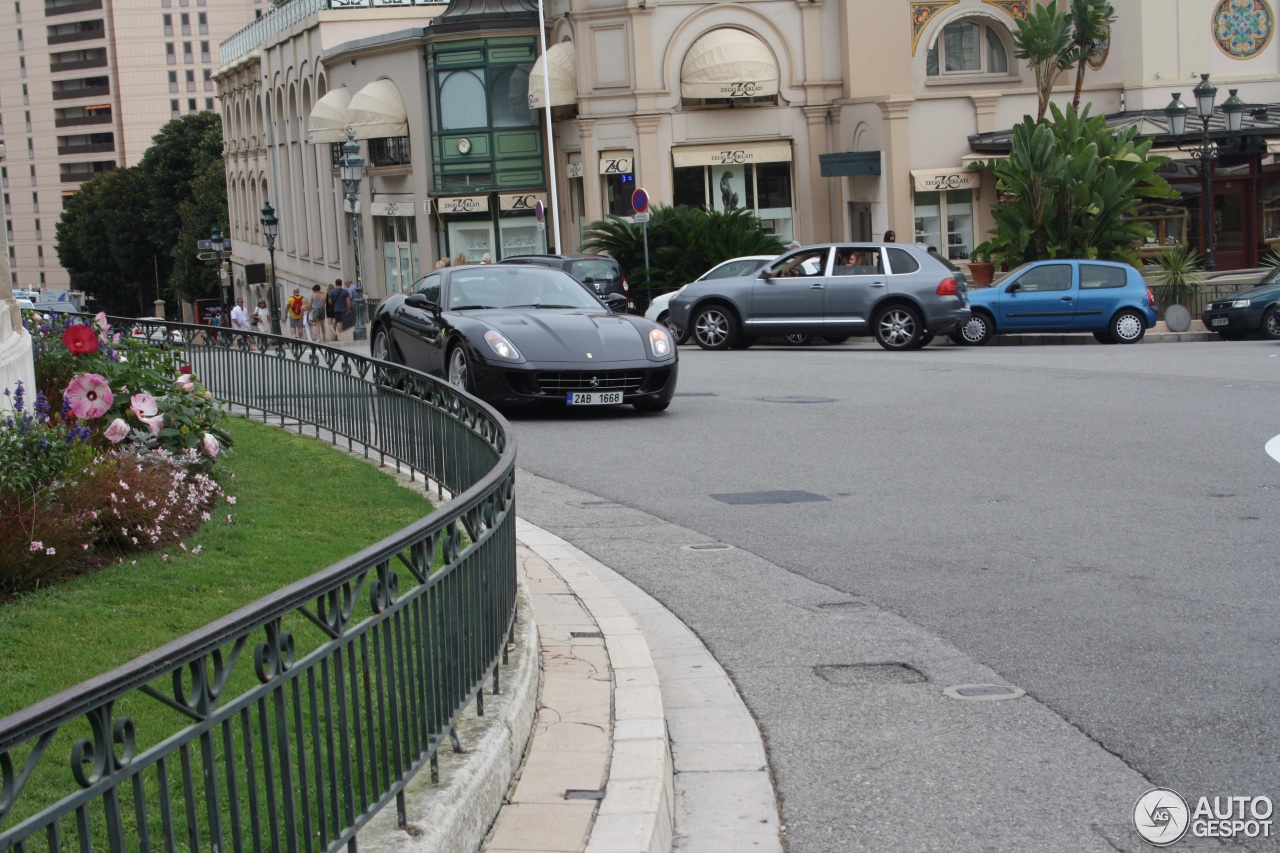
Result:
{"points": [[1044, 39], [1091, 22]]}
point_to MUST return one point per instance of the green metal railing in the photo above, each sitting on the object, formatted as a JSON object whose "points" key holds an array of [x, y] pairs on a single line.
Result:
{"points": [[296, 718]]}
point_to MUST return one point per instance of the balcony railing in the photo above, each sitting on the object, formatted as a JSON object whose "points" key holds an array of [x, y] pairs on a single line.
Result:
{"points": [[281, 18], [81, 121], [78, 64], [82, 92], [301, 715], [51, 9], [87, 148], [78, 35]]}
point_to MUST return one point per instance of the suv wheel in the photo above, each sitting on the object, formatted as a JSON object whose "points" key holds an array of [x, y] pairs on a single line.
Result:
{"points": [[679, 335], [715, 327], [897, 327]]}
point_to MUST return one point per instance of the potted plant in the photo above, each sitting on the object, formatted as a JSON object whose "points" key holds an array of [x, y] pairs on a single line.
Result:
{"points": [[981, 269], [1177, 278]]}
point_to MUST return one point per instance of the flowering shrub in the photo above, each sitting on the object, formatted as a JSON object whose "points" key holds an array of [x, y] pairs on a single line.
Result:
{"points": [[113, 456]]}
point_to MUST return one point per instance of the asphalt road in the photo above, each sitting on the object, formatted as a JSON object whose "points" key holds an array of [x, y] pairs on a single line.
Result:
{"points": [[1093, 524]]}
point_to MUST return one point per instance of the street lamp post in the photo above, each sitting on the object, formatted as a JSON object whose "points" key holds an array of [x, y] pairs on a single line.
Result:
{"points": [[1206, 150], [271, 227], [219, 250], [352, 166]]}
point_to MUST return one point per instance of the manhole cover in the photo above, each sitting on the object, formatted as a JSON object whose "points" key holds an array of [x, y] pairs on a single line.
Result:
{"points": [[708, 546], [983, 692], [782, 497], [869, 674], [798, 399]]}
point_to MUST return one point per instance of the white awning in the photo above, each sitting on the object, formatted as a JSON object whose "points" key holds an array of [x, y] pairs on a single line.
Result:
{"points": [[558, 69], [732, 153], [936, 180], [1273, 146], [328, 119], [377, 112], [728, 63]]}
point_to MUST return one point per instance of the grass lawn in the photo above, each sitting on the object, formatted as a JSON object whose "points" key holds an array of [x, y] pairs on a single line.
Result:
{"points": [[300, 505]]}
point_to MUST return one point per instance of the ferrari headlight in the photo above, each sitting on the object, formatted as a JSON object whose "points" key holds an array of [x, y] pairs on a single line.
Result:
{"points": [[659, 343], [1240, 303], [502, 347]]}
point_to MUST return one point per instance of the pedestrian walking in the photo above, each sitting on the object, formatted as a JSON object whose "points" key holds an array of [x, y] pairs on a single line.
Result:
{"points": [[338, 300], [315, 314], [442, 263], [328, 309], [260, 321], [460, 259], [890, 237], [295, 307]]}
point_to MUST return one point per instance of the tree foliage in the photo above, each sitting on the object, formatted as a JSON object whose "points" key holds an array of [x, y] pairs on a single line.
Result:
{"points": [[1070, 188], [1091, 22], [684, 242], [1043, 38], [123, 234]]}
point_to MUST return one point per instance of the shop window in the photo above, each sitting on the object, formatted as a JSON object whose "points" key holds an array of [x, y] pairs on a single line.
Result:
{"points": [[967, 47], [762, 188], [399, 237], [618, 190], [945, 219]]}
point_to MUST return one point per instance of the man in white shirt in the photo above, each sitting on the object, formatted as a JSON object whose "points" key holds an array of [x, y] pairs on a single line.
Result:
{"points": [[240, 317]]}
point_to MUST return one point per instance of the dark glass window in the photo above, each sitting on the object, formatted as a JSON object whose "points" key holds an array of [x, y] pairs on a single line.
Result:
{"points": [[389, 151], [690, 186]]}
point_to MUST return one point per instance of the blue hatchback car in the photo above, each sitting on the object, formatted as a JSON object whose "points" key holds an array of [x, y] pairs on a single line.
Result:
{"points": [[1110, 299]]}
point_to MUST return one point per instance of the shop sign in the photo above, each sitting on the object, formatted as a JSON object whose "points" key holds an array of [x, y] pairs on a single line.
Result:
{"points": [[616, 165], [574, 170], [730, 154], [522, 202], [392, 208], [940, 180], [463, 204]]}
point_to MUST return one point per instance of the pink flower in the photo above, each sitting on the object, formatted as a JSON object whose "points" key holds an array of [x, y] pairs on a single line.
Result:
{"points": [[37, 546], [143, 405], [80, 340], [211, 445], [50, 551], [154, 423], [100, 323], [88, 394], [117, 432], [184, 383]]}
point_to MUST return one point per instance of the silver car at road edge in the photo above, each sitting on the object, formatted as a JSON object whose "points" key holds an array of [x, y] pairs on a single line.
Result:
{"points": [[900, 294]]}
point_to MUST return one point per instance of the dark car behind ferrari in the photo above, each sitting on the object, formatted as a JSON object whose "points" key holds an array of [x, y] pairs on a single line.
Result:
{"points": [[515, 335]]}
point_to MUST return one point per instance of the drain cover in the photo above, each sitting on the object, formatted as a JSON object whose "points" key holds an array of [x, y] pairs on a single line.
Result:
{"points": [[572, 794], [586, 634], [769, 497], [798, 399], [869, 674], [708, 546], [983, 692]]}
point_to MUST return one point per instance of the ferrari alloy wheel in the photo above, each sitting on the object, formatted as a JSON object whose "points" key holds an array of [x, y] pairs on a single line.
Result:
{"points": [[381, 349], [459, 368]]}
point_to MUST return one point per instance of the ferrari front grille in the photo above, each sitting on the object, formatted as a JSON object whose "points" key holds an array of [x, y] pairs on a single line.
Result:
{"points": [[560, 383]]}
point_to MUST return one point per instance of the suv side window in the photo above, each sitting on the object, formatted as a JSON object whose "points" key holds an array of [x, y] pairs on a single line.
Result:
{"points": [[1097, 277], [901, 261], [1046, 279], [855, 260]]}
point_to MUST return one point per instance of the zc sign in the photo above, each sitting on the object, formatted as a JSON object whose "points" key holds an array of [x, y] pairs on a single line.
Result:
{"points": [[615, 165], [744, 89], [519, 201]]}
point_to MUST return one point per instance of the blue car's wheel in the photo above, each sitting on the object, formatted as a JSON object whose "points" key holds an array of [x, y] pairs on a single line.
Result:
{"points": [[1128, 327], [975, 331]]}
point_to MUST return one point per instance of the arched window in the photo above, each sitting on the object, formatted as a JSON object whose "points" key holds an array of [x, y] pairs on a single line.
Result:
{"points": [[968, 47], [462, 100]]}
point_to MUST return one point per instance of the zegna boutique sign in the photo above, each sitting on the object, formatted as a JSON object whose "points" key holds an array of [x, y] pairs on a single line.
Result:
{"points": [[939, 180], [516, 202]]}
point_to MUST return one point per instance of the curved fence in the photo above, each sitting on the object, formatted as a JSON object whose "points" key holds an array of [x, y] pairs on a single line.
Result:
{"points": [[288, 724]]}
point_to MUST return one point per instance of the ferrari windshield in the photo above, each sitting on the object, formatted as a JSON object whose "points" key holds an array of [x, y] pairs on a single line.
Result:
{"points": [[495, 286]]}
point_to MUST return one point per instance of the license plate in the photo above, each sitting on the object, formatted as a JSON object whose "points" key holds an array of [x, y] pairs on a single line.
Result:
{"points": [[593, 398], [1219, 321]]}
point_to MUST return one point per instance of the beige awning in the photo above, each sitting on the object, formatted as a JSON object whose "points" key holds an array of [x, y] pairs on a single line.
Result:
{"points": [[732, 153], [728, 63], [558, 70], [937, 180], [328, 119], [377, 112], [1273, 146]]}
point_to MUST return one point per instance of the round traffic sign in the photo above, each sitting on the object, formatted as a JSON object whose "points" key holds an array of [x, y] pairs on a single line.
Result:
{"points": [[639, 200], [537, 210]]}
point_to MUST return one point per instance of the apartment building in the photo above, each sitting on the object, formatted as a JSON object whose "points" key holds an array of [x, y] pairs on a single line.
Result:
{"points": [[84, 86], [830, 119]]}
